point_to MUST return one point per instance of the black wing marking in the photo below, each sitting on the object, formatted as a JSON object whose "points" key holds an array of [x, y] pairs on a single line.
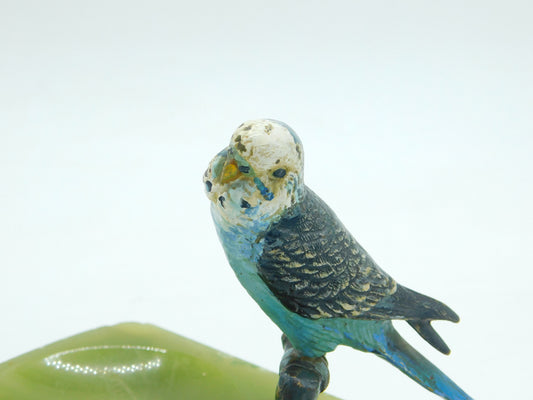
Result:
{"points": [[318, 270], [419, 310]]}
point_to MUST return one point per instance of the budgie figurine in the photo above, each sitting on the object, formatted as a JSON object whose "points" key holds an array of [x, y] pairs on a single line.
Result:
{"points": [[303, 267]]}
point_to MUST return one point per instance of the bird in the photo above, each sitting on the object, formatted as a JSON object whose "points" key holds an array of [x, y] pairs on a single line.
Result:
{"points": [[302, 266]]}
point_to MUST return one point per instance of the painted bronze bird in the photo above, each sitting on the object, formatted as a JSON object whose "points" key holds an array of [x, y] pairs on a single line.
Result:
{"points": [[302, 266]]}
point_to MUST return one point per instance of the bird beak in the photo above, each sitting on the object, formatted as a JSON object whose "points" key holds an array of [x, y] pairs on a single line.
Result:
{"points": [[230, 171]]}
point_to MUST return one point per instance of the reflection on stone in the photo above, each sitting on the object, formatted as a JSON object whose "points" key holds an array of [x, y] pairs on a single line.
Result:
{"points": [[55, 361]]}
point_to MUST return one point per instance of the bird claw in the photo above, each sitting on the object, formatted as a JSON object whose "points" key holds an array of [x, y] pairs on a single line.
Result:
{"points": [[300, 377]]}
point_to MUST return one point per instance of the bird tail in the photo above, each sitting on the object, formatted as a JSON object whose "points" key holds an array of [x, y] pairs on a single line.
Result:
{"points": [[399, 353]]}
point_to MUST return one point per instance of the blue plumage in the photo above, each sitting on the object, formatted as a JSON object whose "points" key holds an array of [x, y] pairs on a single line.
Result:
{"points": [[301, 265]]}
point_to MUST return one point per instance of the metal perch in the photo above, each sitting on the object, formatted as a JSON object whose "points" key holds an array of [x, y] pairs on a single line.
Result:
{"points": [[300, 377]]}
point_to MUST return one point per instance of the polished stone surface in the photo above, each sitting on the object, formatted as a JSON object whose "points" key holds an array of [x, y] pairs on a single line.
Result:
{"points": [[132, 361]]}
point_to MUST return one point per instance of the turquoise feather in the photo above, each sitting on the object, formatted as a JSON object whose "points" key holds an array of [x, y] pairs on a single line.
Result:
{"points": [[314, 338]]}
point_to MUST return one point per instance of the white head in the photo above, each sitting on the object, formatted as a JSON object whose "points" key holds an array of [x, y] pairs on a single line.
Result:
{"points": [[259, 175]]}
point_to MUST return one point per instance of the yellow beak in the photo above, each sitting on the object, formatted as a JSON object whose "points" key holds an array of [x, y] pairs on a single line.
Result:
{"points": [[230, 172]]}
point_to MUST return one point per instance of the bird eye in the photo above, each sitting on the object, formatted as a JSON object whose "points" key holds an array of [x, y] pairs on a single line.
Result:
{"points": [[244, 169], [279, 173]]}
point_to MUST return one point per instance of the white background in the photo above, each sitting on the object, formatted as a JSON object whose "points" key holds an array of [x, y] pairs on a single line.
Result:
{"points": [[416, 118]]}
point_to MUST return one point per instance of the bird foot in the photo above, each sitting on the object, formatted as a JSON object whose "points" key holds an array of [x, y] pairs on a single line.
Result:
{"points": [[300, 377]]}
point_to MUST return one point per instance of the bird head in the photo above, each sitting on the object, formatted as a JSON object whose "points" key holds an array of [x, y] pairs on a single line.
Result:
{"points": [[259, 175]]}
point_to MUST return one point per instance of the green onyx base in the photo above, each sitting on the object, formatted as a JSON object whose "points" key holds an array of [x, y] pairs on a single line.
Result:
{"points": [[133, 361]]}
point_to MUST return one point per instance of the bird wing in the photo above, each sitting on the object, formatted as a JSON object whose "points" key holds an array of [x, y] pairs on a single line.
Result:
{"points": [[317, 269]]}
